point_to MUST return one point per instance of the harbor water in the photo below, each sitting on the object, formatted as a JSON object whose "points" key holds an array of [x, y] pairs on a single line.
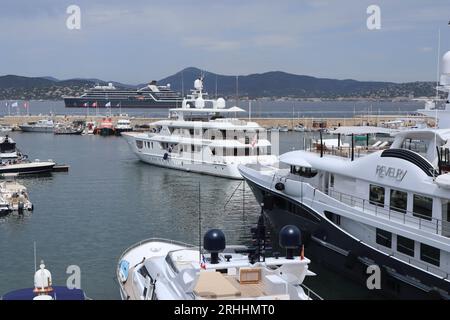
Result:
{"points": [[109, 200]]}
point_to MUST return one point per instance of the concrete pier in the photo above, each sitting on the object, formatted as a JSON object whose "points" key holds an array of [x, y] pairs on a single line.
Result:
{"points": [[309, 123]]}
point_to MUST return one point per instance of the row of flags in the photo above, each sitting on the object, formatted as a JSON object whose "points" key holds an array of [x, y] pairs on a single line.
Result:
{"points": [[95, 105], [15, 104]]}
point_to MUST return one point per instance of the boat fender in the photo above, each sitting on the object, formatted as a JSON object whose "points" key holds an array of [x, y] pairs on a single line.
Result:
{"points": [[166, 156], [279, 186]]}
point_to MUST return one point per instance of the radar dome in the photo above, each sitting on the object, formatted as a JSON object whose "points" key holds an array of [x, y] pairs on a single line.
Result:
{"points": [[446, 63], [198, 84], [220, 103], [168, 85], [214, 242], [199, 103], [42, 277]]}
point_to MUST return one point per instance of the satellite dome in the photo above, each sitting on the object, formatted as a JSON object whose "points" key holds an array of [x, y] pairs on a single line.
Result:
{"points": [[168, 85], [445, 70], [214, 242], [220, 103], [199, 103], [198, 84]]}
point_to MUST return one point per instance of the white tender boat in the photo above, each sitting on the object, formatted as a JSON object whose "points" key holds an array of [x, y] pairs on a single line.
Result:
{"points": [[16, 195], [159, 269], [204, 137], [43, 125]]}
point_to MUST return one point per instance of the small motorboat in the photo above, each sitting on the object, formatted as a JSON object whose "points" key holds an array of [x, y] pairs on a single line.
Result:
{"points": [[16, 195], [106, 127], [90, 127], [68, 129], [43, 125], [44, 289], [123, 125], [158, 269], [21, 167]]}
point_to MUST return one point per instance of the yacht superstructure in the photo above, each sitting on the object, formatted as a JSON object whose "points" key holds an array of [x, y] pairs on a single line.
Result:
{"points": [[377, 206], [203, 136]]}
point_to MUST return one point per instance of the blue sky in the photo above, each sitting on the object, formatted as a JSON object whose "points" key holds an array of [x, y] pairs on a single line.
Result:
{"points": [[137, 41]]}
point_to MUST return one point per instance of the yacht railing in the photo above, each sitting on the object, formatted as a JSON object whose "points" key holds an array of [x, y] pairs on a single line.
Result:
{"points": [[310, 293], [430, 224]]}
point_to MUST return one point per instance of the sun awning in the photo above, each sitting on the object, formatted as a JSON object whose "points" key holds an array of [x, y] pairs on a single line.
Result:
{"points": [[293, 159]]}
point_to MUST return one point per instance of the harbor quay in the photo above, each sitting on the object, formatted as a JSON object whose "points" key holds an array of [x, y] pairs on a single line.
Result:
{"points": [[310, 123]]}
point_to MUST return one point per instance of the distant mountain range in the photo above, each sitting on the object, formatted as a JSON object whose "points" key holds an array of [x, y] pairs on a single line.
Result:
{"points": [[274, 84]]}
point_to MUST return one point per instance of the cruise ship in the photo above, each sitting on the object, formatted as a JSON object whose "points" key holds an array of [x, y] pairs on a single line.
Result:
{"points": [[203, 136], [150, 96]]}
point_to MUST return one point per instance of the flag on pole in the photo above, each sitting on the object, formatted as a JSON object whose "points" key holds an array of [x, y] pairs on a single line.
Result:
{"points": [[203, 263], [108, 105], [254, 140], [15, 104]]}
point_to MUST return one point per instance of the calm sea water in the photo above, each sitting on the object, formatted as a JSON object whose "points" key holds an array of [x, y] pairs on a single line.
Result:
{"points": [[259, 109], [109, 201]]}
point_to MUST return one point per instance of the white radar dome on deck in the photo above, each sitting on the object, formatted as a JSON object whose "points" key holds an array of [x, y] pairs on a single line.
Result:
{"points": [[42, 278], [445, 76], [199, 103], [220, 103], [168, 85], [198, 84]]}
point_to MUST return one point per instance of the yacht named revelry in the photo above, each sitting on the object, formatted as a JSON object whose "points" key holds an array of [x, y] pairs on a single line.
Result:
{"points": [[362, 206], [203, 136]]}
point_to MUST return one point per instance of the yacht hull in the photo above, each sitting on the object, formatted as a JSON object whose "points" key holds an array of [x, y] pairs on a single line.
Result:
{"points": [[26, 128], [336, 249], [220, 170], [27, 168]]}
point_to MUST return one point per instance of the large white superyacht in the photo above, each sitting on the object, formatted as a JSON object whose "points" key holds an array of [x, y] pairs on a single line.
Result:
{"points": [[203, 136], [364, 205]]}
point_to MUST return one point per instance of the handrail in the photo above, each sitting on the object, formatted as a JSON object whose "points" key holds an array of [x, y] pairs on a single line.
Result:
{"points": [[311, 293], [393, 214]]}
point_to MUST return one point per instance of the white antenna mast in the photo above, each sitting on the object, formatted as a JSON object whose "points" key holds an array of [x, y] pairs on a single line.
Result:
{"points": [[437, 93], [34, 249]]}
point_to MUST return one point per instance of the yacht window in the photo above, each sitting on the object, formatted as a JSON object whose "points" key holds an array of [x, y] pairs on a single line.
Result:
{"points": [[139, 144], [191, 132], [445, 209], [213, 151], [213, 137], [405, 245], [247, 140], [144, 272], [257, 151], [235, 152], [430, 254], [423, 207], [398, 200], [192, 148], [384, 238], [303, 172], [331, 180], [247, 151], [152, 145], [376, 195]]}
